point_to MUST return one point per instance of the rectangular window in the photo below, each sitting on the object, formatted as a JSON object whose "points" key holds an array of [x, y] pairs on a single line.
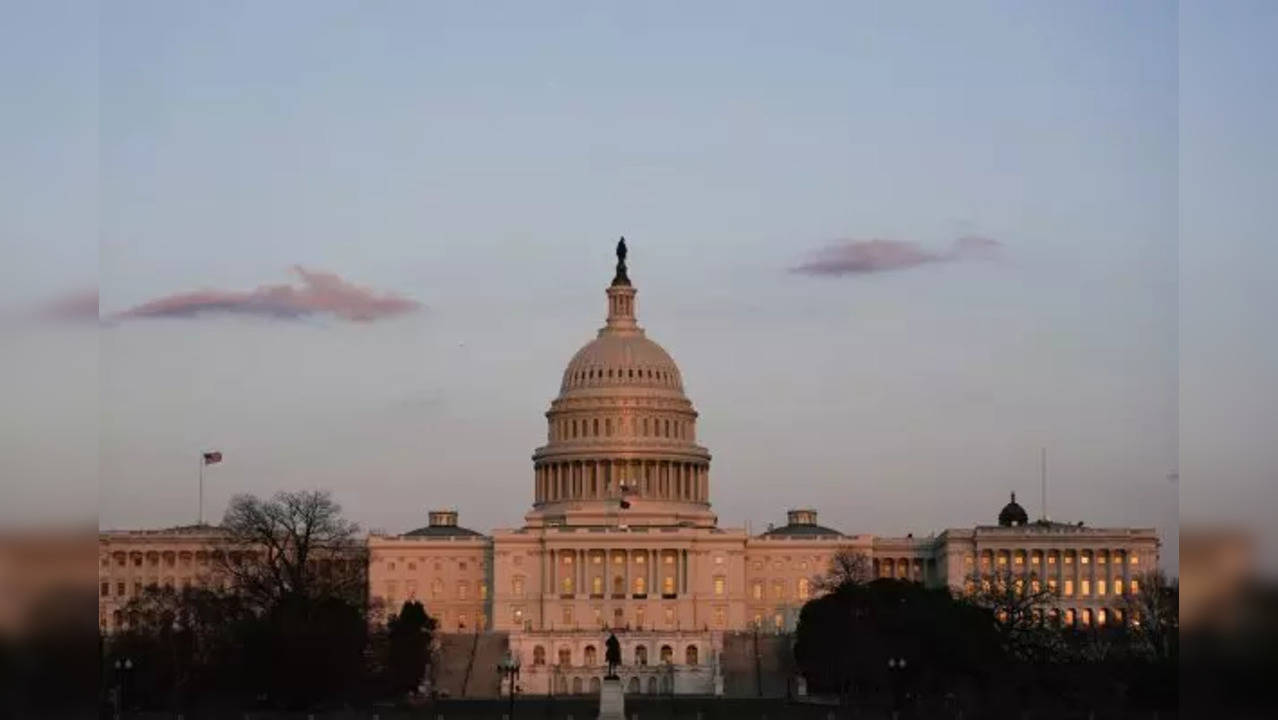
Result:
{"points": [[756, 590], [119, 589], [1069, 588], [719, 585], [1086, 559], [567, 615], [461, 590], [1085, 587], [483, 590], [1100, 588], [1135, 586], [1134, 560], [1051, 559], [720, 616], [106, 589]]}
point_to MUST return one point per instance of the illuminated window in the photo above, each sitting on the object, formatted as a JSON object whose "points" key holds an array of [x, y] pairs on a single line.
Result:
{"points": [[1002, 559], [1019, 560], [640, 586], [567, 559], [803, 588], [719, 583], [690, 655], [1035, 587], [1069, 559], [596, 585], [1100, 617], [461, 621], [668, 585], [566, 586], [641, 655], [518, 614], [1085, 587], [1069, 617], [778, 620], [483, 590], [778, 589], [618, 559], [1101, 560], [1085, 559], [462, 588], [1100, 588], [1051, 559], [596, 559], [1134, 560], [756, 590], [969, 560], [670, 559], [1086, 618], [641, 559], [590, 656], [539, 655], [1069, 587], [718, 559], [1135, 584]]}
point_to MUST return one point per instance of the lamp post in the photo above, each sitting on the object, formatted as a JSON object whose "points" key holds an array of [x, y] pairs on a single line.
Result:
{"points": [[509, 668], [896, 671], [122, 667]]}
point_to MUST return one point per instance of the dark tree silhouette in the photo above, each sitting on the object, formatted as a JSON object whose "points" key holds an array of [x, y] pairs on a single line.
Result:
{"points": [[408, 646], [294, 547]]}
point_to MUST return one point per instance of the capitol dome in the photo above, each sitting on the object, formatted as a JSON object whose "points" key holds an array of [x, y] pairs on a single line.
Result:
{"points": [[621, 433]]}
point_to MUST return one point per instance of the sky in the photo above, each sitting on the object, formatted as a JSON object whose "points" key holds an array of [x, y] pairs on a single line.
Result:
{"points": [[896, 249]]}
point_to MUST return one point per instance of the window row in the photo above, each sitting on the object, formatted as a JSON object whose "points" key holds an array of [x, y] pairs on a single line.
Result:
{"points": [[462, 589], [590, 656], [658, 376], [646, 426]]}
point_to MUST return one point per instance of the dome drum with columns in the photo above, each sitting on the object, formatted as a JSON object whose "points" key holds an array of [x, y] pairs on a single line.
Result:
{"points": [[621, 429]]}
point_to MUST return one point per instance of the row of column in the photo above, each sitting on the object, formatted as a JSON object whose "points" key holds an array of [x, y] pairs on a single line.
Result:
{"points": [[600, 479], [1058, 571], [571, 565]]}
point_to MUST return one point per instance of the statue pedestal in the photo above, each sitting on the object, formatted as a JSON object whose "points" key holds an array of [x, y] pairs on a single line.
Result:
{"points": [[612, 701]]}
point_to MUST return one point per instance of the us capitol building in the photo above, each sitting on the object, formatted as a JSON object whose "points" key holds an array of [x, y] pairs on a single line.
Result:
{"points": [[621, 535]]}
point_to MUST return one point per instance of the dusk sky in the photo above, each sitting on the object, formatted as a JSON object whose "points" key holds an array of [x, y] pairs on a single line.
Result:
{"points": [[895, 251]]}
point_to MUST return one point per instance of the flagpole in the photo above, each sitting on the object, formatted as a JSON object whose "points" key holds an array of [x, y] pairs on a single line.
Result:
{"points": [[200, 519]]}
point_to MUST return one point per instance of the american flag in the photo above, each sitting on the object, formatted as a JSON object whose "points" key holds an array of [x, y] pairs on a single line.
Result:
{"points": [[212, 457]]}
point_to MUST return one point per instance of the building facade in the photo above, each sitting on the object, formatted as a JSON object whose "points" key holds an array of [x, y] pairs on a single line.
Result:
{"points": [[621, 537]]}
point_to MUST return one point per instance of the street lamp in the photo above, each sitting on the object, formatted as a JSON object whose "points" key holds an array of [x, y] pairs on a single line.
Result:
{"points": [[896, 670], [122, 666], [509, 669]]}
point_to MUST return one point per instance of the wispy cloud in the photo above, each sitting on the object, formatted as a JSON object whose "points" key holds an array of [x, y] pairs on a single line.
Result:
{"points": [[862, 257], [317, 293]]}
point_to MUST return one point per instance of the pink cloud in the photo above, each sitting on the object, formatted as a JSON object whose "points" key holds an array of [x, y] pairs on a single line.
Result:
{"points": [[318, 293], [861, 257]]}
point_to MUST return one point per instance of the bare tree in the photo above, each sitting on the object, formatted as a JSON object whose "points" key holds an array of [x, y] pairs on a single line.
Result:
{"points": [[1021, 610], [847, 567], [295, 546], [1154, 615]]}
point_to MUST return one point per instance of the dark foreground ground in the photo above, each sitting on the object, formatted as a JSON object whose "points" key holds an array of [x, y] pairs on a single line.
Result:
{"points": [[690, 708]]}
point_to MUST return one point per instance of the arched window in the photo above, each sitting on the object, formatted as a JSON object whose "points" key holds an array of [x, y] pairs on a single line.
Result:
{"points": [[589, 655], [803, 589], [565, 656], [641, 655], [594, 686], [436, 588], [576, 686], [595, 432], [539, 655], [632, 687], [652, 685], [690, 655], [667, 654]]}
